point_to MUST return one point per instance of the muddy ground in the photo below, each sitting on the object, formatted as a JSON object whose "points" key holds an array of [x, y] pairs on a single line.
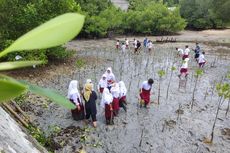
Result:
{"points": [[154, 130]]}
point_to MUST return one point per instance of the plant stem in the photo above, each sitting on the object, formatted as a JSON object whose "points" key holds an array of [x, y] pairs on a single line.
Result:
{"points": [[169, 84], [213, 127], [193, 93], [227, 108], [159, 92]]}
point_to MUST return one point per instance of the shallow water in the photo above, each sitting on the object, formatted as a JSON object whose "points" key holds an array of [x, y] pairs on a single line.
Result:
{"points": [[140, 129]]}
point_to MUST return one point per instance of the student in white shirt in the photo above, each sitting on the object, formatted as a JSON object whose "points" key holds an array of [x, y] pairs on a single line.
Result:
{"points": [[180, 52], [184, 68], [201, 60], [186, 52], [123, 47], [150, 45], [145, 92]]}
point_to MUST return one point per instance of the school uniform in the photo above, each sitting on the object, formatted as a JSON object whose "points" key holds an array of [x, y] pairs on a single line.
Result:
{"points": [[115, 91], [102, 84], [186, 53], [145, 92], [201, 60], [74, 97], [122, 95]]}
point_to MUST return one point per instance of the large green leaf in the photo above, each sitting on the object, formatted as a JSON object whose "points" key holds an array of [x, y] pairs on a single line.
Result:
{"points": [[10, 88], [55, 32], [19, 64], [51, 94]]}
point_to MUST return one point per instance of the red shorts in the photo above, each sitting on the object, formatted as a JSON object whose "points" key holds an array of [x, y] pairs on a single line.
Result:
{"points": [[117, 46], [183, 70], [201, 64], [184, 57]]}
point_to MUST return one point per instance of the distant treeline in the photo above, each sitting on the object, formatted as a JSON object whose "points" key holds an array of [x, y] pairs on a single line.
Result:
{"points": [[147, 17]]}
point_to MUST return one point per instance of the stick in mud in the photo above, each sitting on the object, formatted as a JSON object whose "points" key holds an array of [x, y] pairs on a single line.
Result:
{"points": [[142, 131]]}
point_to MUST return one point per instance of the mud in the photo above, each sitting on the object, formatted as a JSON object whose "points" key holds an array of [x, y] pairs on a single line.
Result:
{"points": [[171, 127]]}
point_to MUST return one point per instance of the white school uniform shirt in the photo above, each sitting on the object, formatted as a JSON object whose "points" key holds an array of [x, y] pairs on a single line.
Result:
{"points": [[115, 91], [123, 89], [117, 43], [102, 84], [123, 48], [201, 58], [73, 92], [186, 51], [135, 43], [107, 97], [180, 51], [150, 45], [146, 86], [127, 42]]}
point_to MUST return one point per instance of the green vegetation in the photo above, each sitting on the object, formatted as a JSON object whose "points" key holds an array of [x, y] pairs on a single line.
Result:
{"points": [[53, 33], [205, 14]]}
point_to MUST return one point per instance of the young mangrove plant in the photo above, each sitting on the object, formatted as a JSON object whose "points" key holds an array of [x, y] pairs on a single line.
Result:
{"points": [[197, 75], [160, 73], [223, 93], [173, 68]]}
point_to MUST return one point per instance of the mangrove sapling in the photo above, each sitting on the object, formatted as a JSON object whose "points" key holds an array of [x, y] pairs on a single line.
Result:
{"points": [[223, 92], [170, 79], [197, 75], [160, 73]]}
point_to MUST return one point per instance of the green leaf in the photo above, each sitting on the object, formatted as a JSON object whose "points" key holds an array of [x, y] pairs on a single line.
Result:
{"points": [[19, 64], [55, 32], [51, 94], [10, 89]]}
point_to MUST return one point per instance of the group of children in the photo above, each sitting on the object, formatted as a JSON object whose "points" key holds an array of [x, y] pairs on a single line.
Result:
{"points": [[199, 57], [136, 45], [113, 96]]}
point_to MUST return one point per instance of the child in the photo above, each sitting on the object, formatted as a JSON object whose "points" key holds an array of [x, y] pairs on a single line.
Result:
{"points": [[184, 68], [180, 52], [110, 77], [74, 97], [123, 47], [117, 44], [102, 84], [150, 45], [115, 91], [186, 52], [122, 95], [201, 60], [106, 103], [127, 43], [145, 92]]}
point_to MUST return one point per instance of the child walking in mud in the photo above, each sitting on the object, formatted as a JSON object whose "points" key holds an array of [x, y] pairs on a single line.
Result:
{"points": [[74, 96], [145, 89], [201, 60], [106, 103], [122, 95], [117, 44], [184, 68], [90, 98], [115, 91], [186, 52]]}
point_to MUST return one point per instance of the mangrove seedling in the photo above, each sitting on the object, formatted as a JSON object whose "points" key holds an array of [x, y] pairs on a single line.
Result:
{"points": [[197, 75], [170, 79], [160, 73]]}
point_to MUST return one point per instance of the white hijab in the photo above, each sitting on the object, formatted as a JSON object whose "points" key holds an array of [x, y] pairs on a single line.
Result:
{"points": [[102, 82], [123, 89], [110, 76], [107, 97], [115, 90], [73, 89]]}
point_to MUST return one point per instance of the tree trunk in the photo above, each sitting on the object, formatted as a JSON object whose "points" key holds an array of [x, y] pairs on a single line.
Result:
{"points": [[214, 124]]}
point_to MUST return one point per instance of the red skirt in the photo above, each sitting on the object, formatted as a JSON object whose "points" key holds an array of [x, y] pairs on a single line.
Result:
{"points": [[145, 95], [101, 90], [201, 64], [127, 46], [108, 112], [184, 70], [78, 114], [123, 98], [184, 57], [115, 104], [117, 46]]}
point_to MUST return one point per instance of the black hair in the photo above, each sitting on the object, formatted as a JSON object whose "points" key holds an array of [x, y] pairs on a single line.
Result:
{"points": [[150, 81], [203, 52]]}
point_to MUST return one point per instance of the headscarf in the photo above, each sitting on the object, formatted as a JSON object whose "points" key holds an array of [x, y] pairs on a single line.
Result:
{"points": [[103, 83], [115, 90], [110, 76], [89, 81], [88, 91], [123, 89], [73, 89], [107, 97]]}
